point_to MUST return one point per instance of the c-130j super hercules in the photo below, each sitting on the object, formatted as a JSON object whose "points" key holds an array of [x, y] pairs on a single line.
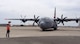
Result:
{"points": [[46, 23]]}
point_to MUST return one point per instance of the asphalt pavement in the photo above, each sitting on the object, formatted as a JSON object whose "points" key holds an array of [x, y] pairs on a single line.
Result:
{"points": [[42, 40]]}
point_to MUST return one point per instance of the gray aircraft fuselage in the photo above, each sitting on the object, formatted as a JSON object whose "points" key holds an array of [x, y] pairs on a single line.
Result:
{"points": [[46, 23]]}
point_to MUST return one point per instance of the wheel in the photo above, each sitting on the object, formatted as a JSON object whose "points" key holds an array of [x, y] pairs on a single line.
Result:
{"points": [[55, 28], [43, 30], [21, 25]]}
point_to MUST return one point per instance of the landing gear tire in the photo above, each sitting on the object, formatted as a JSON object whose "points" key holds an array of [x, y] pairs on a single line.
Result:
{"points": [[21, 25], [55, 28], [43, 30]]}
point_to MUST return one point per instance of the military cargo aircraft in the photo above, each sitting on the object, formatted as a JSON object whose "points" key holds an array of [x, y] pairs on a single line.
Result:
{"points": [[46, 23]]}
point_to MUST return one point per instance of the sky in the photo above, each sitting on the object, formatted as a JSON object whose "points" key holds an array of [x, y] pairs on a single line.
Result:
{"points": [[42, 8]]}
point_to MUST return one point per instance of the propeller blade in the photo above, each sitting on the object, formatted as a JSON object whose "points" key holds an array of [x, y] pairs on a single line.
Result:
{"points": [[37, 17], [62, 16], [58, 19], [34, 17], [63, 23], [33, 23], [65, 17]]}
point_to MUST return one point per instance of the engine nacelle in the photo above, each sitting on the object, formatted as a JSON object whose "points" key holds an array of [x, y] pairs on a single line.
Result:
{"points": [[76, 21]]}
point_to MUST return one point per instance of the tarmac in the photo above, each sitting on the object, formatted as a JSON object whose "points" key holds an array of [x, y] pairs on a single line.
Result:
{"points": [[34, 35]]}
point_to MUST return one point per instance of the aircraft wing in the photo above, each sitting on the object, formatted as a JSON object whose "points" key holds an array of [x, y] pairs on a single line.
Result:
{"points": [[35, 19], [24, 20], [62, 19], [67, 19]]}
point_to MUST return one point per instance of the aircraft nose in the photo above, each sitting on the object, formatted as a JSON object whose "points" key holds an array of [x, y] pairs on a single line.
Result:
{"points": [[42, 24]]}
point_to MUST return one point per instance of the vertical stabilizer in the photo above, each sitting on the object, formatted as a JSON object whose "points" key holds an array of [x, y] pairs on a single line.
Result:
{"points": [[55, 13]]}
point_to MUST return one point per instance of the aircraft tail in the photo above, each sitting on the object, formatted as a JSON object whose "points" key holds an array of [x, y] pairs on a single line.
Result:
{"points": [[55, 13]]}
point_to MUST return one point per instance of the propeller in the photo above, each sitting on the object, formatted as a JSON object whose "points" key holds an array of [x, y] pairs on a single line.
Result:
{"points": [[35, 20], [23, 18], [61, 20]]}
